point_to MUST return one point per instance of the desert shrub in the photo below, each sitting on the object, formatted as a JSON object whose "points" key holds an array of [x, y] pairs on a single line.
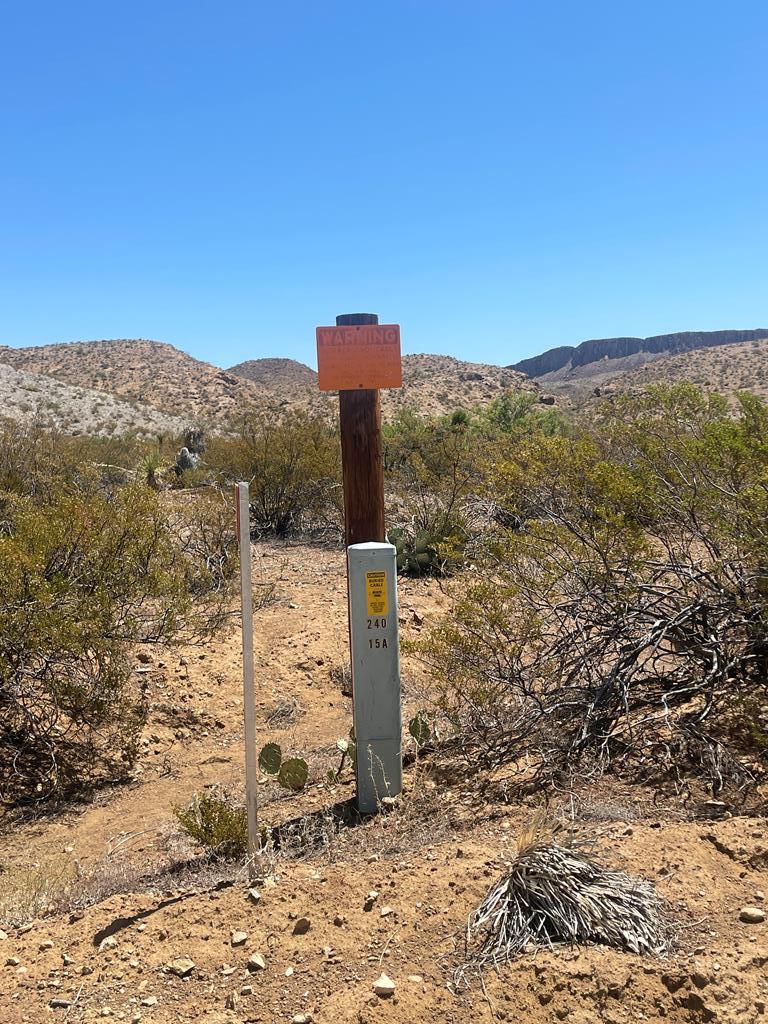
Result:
{"points": [[519, 413], [293, 465], [432, 468], [623, 611], [216, 823], [85, 578]]}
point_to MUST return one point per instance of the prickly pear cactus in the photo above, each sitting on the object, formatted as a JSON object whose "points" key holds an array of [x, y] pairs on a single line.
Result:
{"points": [[270, 759], [293, 774]]}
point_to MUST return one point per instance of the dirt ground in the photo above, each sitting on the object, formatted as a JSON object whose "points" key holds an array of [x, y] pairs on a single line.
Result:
{"points": [[429, 863]]}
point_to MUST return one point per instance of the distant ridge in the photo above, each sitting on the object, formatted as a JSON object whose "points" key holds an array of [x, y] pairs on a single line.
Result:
{"points": [[572, 357]]}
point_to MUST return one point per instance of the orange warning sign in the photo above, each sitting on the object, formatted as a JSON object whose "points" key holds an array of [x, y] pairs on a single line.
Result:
{"points": [[365, 356]]}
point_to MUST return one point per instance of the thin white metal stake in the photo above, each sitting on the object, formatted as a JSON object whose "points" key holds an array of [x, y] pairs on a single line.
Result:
{"points": [[249, 695]]}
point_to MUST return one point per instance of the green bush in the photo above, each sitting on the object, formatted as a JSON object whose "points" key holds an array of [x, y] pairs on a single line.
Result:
{"points": [[217, 824], [621, 616], [86, 576], [293, 466]]}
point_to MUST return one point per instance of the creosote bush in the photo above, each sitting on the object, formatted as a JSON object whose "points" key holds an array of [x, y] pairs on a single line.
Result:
{"points": [[89, 570], [293, 465], [621, 615]]}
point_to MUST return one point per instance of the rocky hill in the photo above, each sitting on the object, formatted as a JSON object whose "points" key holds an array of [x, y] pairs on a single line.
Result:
{"points": [[78, 410], [146, 371], [152, 374], [600, 357], [740, 367]]}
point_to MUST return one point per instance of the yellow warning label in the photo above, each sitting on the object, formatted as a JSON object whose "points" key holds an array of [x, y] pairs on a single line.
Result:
{"points": [[376, 593]]}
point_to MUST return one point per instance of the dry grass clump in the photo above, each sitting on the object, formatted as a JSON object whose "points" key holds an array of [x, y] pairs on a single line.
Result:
{"points": [[555, 892]]}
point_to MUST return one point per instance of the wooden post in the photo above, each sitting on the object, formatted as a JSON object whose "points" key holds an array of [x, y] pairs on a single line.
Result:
{"points": [[361, 454]]}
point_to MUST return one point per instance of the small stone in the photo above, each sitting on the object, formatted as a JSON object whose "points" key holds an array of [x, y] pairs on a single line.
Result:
{"points": [[256, 962], [60, 1004], [384, 987], [370, 899], [181, 966], [373, 858], [386, 911], [254, 895], [415, 978], [109, 943], [289, 972], [106, 1012], [3, 935], [759, 896], [339, 920], [231, 1001], [302, 1018], [149, 1001], [45, 945], [246, 990], [752, 915], [12, 961], [302, 926], [239, 938]]}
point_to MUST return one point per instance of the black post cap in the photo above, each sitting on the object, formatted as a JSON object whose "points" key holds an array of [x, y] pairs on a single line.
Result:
{"points": [[356, 319]]}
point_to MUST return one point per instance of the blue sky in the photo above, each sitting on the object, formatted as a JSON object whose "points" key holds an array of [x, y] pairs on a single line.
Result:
{"points": [[497, 177]]}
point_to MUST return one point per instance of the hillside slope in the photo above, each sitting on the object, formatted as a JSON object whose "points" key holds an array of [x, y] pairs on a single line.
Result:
{"points": [[145, 371], [77, 410], [178, 385], [432, 384], [599, 357], [742, 367]]}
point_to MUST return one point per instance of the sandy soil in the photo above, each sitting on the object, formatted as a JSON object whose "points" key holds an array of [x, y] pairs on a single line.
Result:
{"points": [[430, 862]]}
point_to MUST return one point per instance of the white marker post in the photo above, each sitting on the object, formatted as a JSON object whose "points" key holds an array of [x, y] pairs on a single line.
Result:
{"points": [[249, 694], [375, 672]]}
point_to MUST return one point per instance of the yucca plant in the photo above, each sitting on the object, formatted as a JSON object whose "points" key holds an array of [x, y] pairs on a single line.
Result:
{"points": [[555, 891]]}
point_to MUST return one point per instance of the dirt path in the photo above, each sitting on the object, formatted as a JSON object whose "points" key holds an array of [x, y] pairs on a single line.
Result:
{"points": [[429, 864]]}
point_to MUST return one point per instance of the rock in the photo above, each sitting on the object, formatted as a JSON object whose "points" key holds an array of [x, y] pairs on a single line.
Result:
{"points": [[370, 899], [339, 920], [144, 658], [45, 945], [109, 943], [238, 938], [3, 935], [302, 926], [254, 895], [386, 911], [752, 915], [60, 1004], [256, 962], [12, 961], [149, 1001], [181, 966], [246, 990], [231, 1001], [415, 978], [384, 987], [302, 1018]]}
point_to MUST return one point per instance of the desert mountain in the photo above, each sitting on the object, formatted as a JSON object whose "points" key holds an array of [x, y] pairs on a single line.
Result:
{"points": [[728, 369], [606, 357], [432, 384], [77, 410], [154, 375], [145, 371]]}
